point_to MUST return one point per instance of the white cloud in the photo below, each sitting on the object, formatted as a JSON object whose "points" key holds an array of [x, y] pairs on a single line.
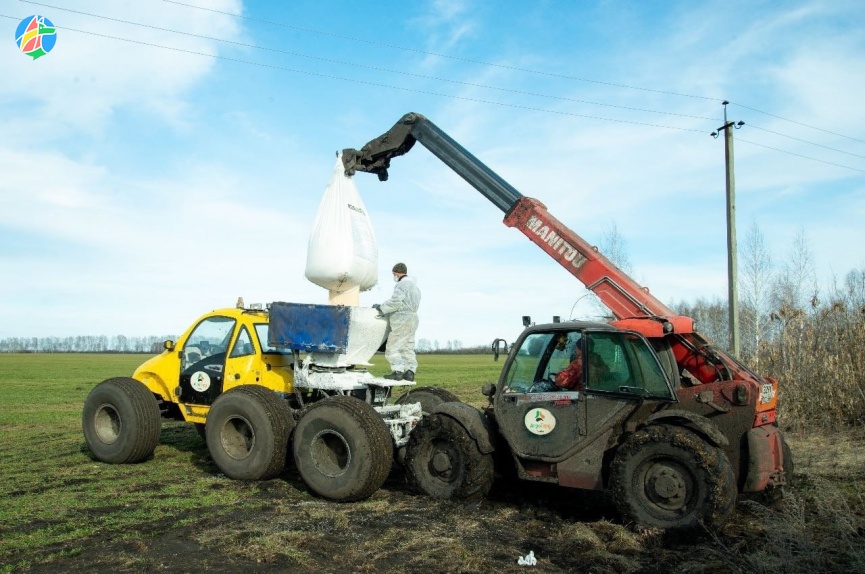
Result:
{"points": [[101, 64]]}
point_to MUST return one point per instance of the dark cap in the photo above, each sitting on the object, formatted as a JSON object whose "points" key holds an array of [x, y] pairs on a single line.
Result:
{"points": [[400, 268]]}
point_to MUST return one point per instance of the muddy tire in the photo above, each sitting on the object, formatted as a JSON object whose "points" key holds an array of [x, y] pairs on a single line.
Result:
{"points": [[443, 461], [121, 421], [247, 433], [428, 397], [668, 477], [342, 449]]}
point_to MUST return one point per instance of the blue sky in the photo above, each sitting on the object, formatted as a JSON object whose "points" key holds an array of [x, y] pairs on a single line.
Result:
{"points": [[153, 172]]}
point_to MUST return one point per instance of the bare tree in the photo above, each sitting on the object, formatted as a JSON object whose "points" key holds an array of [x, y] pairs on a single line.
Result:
{"points": [[854, 283], [615, 248], [756, 276], [796, 282], [710, 316]]}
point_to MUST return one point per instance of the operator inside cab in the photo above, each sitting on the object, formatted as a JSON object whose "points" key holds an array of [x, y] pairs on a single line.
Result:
{"points": [[571, 377], [570, 361]]}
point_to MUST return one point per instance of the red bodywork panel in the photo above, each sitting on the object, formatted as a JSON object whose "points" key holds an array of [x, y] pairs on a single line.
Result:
{"points": [[765, 459]]}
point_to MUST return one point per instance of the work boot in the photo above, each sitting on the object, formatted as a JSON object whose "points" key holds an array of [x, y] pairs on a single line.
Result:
{"points": [[408, 376], [395, 376]]}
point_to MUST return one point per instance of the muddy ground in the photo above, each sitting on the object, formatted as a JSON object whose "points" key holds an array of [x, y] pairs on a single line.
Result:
{"points": [[280, 527], [278, 530]]}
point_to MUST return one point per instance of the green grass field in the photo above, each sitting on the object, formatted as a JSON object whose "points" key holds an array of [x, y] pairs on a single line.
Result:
{"points": [[62, 511], [54, 494]]}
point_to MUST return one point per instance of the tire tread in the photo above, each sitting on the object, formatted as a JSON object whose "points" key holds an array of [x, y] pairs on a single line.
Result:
{"points": [[376, 436], [712, 465], [477, 481], [145, 412]]}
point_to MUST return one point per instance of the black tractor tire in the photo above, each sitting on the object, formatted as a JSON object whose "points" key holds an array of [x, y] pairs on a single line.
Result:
{"points": [[428, 397], [342, 448], [121, 421], [247, 431], [443, 461], [669, 477]]}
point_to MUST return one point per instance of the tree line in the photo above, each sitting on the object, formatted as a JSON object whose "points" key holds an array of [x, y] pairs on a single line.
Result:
{"points": [[810, 339], [83, 344], [153, 344]]}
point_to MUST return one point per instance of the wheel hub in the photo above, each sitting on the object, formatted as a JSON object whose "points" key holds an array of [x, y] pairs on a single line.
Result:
{"points": [[331, 453], [666, 487], [441, 462], [107, 424], [237, 437]]}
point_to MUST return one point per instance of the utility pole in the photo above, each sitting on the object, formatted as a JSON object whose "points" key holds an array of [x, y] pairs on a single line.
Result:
{"points": [[732, 261]]}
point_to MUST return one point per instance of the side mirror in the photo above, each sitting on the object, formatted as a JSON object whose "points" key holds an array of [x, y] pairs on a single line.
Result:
{"points": [[488, 390], [168, 345]]}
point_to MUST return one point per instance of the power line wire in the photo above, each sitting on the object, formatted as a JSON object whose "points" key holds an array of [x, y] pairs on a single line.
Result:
{"points": [[426, 52], [739, 139], [367, 66], [484, 63], [368, 83], [798, 123], [447, 80], [476, 100], [805, 141]]}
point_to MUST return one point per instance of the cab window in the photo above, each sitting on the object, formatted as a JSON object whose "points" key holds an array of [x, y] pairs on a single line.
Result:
{"points": [[243, 344], [261, 331], [624, 363], [209, 338], [596, 361]]}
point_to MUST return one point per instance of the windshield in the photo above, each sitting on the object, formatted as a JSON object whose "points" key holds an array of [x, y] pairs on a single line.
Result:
{"points": [[539, 359]]}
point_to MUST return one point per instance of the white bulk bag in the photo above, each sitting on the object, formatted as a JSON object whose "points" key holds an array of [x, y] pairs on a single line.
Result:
{"points": [[342, 252]]}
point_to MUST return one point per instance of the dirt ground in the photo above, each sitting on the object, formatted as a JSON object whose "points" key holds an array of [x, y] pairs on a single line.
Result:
{"points": [[394, 531], [280, 527]]}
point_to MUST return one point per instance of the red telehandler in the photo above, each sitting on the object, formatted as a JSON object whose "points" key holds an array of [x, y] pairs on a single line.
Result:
{"points": [[644, 406]]}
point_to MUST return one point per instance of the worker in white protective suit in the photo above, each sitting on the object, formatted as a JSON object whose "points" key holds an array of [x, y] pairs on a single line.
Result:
{"points": [[401, 312]]}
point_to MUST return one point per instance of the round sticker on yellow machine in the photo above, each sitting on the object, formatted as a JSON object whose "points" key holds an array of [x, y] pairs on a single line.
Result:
{"points": [[200, 381], [540, 421]]}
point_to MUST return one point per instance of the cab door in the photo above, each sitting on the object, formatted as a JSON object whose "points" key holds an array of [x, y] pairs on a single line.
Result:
{"points": [[537, 418], [622, 373], [241, 366], [619, 371], [203, 357]]}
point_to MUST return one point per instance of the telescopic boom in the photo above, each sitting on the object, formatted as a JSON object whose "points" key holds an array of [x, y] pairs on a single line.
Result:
{"points": [[621, 294]]}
